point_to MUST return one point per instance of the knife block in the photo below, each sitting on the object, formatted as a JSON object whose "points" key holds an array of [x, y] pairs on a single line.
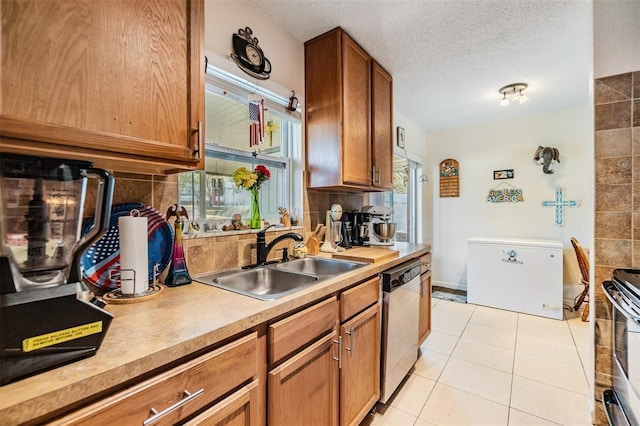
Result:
{"points": [[313, 246]]}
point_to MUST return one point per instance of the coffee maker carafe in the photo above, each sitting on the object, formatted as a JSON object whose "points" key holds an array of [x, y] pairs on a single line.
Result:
{"points": [[347, 231], [47, 315], [360, 228]]}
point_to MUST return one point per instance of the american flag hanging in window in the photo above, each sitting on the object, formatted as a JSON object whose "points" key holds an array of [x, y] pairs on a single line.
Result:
{"points": [[256, 115]]}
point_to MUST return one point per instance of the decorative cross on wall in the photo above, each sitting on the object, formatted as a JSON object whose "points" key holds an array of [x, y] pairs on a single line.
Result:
{"points": [[560, 203]]}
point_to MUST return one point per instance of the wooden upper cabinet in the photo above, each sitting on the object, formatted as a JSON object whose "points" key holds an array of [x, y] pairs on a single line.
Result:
{"points": [[117, 82], [348, 116], [356, 118], [382, 127]]}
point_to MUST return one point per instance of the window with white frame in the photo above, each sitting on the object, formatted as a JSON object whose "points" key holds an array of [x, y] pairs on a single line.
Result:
{"points": [[210, 195]]}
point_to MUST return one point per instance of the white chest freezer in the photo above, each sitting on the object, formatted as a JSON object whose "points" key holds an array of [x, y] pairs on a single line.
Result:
{"points": [[522, 275]]}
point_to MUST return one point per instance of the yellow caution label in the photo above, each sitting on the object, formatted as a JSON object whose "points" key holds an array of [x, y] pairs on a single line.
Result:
{"points": [[49, 339]]}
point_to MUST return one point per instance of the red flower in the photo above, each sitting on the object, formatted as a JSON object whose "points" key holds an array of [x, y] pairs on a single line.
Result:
{"points": [[262, 170]]}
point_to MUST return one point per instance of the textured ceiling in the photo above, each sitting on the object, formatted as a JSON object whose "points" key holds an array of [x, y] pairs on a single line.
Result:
{"points": [[448, 58]]}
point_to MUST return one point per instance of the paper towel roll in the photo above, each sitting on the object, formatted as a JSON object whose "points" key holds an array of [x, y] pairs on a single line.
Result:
{"points": [[134, 254]]}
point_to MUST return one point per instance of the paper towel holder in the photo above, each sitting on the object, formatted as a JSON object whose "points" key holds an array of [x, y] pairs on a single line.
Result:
{"points": [[117, 297]]}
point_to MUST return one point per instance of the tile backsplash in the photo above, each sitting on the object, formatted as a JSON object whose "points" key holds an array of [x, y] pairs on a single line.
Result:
{"points": [[617, 205], [219, 252]]}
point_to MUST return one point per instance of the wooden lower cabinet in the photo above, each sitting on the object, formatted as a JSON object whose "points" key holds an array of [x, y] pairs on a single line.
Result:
{"points": [[360, 372], [424, 328], [182, 392], [239, 409], [304, 389]]}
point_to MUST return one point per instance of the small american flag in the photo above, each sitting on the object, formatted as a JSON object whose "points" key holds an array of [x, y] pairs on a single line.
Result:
{"points": [[254, 111]]}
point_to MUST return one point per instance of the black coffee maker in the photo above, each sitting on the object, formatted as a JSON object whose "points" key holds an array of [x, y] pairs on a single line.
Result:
{"points": [[360, 230], [47, 315]]}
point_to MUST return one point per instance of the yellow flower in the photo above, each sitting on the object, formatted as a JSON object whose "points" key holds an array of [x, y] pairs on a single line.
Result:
{"points": [[244, 178], [250, 179]]}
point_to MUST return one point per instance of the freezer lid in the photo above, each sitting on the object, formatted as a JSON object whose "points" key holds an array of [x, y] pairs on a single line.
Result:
{"points": [[520, 242]]}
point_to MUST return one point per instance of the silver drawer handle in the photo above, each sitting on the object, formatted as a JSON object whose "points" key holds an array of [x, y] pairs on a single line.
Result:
{"points": [[339, 359], [158, 415], [350, 333]]}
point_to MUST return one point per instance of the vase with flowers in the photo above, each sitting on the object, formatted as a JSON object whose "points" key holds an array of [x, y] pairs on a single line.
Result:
{"points": [[252, 180]]}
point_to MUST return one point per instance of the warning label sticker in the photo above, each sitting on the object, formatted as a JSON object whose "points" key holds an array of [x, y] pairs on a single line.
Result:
{"points": [[49, 339]]}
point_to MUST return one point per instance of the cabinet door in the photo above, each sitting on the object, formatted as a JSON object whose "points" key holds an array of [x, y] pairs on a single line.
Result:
{"points": [[425, 307], [304, 389], [356, 101], [117, 82], [360, 374], [323, 98], [239, 409], [382, 127]]}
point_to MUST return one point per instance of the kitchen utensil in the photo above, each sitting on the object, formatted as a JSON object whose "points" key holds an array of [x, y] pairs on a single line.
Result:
{"points": [[381, 230], [47, 314], [333, 234], [384, 230], [317, 230], [367, 254]]}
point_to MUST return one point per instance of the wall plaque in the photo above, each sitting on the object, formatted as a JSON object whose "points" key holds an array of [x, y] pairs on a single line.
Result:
{"points": [[449, 178]]}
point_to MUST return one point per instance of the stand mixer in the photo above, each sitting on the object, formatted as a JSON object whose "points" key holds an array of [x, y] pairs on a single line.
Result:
{"points": [[47, 315], [333, 236], [381, 231]]}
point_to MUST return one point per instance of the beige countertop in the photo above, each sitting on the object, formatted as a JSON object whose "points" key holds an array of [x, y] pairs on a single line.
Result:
{"points": [[148, 335]]}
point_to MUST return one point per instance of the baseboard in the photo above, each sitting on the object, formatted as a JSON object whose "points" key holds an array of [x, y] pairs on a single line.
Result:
{"points": [[452, 286]]}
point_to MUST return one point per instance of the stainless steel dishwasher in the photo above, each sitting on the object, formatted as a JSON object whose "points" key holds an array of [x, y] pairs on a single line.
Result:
{"points": [[400, 316]]}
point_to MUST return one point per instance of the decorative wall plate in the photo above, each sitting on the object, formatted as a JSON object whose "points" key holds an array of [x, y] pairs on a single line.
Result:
{"points": [[101, 262]]}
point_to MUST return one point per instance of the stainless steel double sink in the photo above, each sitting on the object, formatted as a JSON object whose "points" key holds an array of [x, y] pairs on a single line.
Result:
{"points": [[277, 280]]}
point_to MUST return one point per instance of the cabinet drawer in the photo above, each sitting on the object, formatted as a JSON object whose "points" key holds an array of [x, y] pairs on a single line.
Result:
{"points": [[294, 332], [241, 408], [358, 298], [206, 378], [425, 263]]}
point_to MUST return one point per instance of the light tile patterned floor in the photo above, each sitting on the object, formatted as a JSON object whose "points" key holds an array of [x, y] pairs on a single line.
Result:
{"points": [[488, 367]]}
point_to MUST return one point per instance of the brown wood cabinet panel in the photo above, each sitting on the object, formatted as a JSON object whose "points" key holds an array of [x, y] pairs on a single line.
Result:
{"points": [[424, 328], [359, 298], [304, 389], [356, 124], [323, 96], [360, 374], [216, 373], [382, 126], [425, 263], [239, 409], [297, 330], [341, 146], [116, 80]]}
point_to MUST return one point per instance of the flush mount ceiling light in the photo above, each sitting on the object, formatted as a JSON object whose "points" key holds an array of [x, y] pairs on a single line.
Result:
{"points": [[512, 93]]}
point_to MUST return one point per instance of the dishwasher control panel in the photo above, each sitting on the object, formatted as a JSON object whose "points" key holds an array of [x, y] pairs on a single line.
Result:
{"points": [[400, 275]]}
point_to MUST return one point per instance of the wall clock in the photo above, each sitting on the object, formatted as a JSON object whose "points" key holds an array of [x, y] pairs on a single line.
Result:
{"points": [[249, 56]]}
